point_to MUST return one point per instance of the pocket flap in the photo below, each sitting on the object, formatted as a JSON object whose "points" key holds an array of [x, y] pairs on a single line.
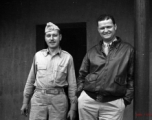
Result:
{"points": [[91, 77], [62, 69], [120, 80], [41, 67]]}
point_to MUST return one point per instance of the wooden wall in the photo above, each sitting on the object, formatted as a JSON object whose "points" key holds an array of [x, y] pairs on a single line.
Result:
{"points": [[18, 20]]}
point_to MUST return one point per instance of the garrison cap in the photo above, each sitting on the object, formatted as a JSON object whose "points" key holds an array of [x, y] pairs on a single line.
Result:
{"points": [[50, 26]]}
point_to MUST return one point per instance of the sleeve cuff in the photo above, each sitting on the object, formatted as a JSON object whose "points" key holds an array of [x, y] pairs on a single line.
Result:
{"points": [[126, 102], [74, 106], [78, 93]]}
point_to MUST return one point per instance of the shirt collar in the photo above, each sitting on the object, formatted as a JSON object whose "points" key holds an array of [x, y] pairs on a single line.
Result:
{"points": [[58, 51], [105, 43], [113, 43]]}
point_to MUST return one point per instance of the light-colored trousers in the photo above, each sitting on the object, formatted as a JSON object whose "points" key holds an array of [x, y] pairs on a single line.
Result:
{"points": [[48, 106], [89, 109]]}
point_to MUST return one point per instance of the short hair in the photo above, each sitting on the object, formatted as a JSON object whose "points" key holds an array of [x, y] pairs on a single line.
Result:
{"points": [[106, 17], [59, 31]]}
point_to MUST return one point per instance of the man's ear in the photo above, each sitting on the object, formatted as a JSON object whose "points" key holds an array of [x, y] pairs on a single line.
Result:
{"points": [[115, 26], [60, 37], [98, 29]]}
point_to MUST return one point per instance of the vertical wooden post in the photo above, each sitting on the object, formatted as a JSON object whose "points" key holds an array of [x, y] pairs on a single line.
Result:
{"points": [[142, 27]]}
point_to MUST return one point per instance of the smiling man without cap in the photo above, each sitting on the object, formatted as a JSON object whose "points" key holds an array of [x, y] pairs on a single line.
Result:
{"points": [[52, 70], [106, 76]]}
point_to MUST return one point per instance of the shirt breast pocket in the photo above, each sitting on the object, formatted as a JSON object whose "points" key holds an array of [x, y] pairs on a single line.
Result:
{"points": [[42, 69], [61, 73]]}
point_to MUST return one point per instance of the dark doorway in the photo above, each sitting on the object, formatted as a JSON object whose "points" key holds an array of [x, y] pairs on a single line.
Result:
{"points": [[73, 40]]}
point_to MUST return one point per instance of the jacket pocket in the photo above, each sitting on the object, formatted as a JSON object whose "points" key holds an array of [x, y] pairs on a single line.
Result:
{"points": [[90, 82], [120, 86], [120, 80], [91, 77]]}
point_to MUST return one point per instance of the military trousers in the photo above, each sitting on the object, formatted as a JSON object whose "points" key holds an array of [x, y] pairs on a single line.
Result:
{"points": [[48, 106]]}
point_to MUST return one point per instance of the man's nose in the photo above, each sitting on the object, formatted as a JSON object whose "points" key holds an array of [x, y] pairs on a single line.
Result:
{"points": [[51, 37], [105, 30]]}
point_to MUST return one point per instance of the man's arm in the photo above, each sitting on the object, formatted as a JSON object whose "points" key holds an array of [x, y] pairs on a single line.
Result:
{"points": [[72, 88], [29, 89], [72, 85], [84, 70], [130, 81]]}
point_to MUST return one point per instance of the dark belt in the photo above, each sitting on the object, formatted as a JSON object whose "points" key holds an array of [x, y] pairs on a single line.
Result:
{"points": [[102, 98], [54, 91]]}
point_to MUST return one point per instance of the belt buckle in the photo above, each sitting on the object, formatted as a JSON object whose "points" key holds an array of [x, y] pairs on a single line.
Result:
{"points": [[43, 91], [99, 98], [55, 92]]}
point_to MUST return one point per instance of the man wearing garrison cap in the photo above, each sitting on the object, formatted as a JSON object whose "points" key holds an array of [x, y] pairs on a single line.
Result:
{"points": [[52, 70]]}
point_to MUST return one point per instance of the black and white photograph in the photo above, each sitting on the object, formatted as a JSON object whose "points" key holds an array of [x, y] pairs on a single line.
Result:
{"points": [[75, 60]]}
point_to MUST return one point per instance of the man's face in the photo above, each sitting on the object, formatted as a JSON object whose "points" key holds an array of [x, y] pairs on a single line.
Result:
{"points": [[53, 39], [107, 30]]}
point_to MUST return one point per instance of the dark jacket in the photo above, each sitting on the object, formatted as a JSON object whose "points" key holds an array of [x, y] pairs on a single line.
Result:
{"points": [[109, 77]]}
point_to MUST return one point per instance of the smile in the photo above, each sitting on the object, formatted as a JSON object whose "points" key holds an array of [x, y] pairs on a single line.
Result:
{"points": [[107, 34], [51, 42]]}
